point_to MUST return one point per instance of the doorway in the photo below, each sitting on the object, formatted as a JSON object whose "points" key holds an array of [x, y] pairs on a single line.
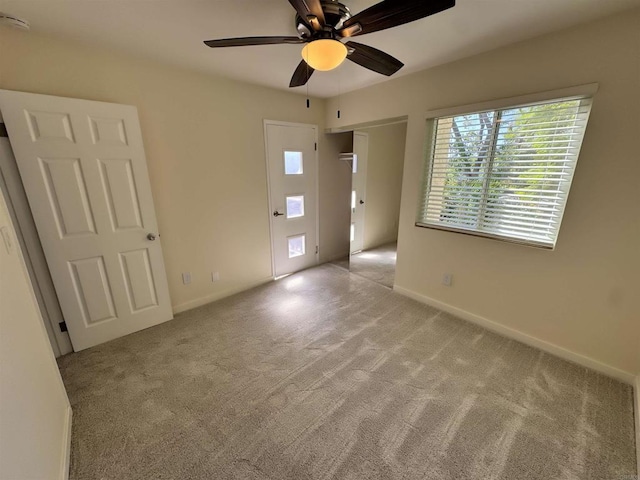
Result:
{"points": [[292, 166], [377, 163]]}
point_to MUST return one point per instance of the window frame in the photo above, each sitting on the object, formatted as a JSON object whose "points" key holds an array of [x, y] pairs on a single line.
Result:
{"points": [[580, 92]]}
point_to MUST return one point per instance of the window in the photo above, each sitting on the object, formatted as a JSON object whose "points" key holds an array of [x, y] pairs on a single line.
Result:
{"points": [[295, 206], [296, 246], [293, 163], [503, 173]]}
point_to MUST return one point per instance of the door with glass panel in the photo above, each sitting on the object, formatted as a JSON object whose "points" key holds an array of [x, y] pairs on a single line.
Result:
{"points": [[358, 189], [293, 172]]}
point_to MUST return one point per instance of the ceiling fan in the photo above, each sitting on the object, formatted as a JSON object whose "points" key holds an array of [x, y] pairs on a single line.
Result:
{"points": [[323, 25]]}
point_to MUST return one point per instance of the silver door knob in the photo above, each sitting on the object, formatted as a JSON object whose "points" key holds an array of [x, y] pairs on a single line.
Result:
{"points": [[151, 236]]}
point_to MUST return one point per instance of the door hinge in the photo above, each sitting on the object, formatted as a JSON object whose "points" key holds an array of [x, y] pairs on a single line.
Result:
{"points": [[63, 326], [315, 146], [316, 249]]}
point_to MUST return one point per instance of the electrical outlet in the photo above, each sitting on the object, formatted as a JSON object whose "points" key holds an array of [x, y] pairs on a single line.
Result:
{"points": [[447, 279], [186, 278], [215, 276]]}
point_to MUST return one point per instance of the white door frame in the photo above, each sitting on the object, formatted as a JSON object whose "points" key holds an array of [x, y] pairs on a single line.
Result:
{"points": [[270, 206], [366, 172]]}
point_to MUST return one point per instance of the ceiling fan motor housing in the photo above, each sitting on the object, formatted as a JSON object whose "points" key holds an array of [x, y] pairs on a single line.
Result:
{"points": [[335, 14]]}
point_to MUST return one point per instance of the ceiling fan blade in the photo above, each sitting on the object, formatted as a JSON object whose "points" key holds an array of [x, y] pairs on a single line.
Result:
{"points": [[302, 75], [244, 41], [373, 59], [310, 8], [391, 13]]}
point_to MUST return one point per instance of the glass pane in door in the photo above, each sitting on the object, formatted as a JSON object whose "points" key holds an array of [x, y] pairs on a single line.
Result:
{"points": [[295, 206], [293, 163], [296, 246]]}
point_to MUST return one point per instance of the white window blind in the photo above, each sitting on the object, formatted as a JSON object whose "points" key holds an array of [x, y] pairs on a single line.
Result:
{"points": [[503, 173]]}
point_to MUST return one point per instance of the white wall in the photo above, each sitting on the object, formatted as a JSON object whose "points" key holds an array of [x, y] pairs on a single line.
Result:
{"points": [[582, 296], [385, 163], [204, 142], [35, 416]]}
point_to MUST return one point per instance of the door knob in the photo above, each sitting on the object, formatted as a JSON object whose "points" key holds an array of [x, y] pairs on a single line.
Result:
{"points": [[277, 213], [361, 202], [151, 236]]}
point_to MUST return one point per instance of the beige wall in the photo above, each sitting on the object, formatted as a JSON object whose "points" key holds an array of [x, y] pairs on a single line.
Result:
{"points": [[34, 410], [384, 183], [584, 295], [205, 149], [204, 142]]}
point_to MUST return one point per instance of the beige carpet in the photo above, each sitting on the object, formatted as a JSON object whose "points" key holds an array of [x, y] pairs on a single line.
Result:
{"points": [[377, 264], [325, 374]]}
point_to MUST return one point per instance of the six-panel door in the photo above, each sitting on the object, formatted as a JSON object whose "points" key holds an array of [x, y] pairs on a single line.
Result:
{"points": [[84, 171]]}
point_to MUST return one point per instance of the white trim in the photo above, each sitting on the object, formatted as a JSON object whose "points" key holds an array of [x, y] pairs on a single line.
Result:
{"points": [[66, 445], [636, 411], [198, 302], [371, 124], [266, 123], [527, 339], [317, 152], [362, 197], [579, 91]]}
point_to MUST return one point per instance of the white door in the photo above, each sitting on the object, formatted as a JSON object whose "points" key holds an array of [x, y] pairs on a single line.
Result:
{"points": [[358, 189], [85, 174], [293, 199], [32, 251]]}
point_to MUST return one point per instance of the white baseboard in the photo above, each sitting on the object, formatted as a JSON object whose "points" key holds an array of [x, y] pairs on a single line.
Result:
{"points": [[66, 445], [198, 302], [636, 411], [509, 332]]}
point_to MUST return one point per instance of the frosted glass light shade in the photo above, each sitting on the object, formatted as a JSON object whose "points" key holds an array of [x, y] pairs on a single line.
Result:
{"points": [[324, 54]]}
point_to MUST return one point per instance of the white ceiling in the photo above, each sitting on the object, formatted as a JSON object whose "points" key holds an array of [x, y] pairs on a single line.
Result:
{"points": [[172, 31]]}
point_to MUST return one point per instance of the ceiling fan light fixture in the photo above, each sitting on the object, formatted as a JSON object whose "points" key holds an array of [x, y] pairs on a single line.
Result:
{"points": [[324, 24], [324, 54]]}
